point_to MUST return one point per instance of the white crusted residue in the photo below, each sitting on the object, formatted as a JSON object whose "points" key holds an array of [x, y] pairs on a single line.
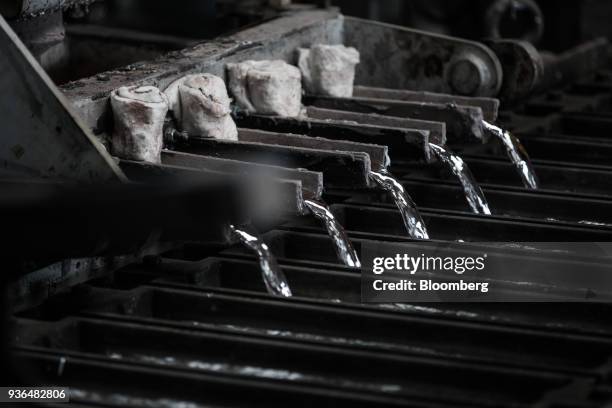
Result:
{"points": [[304, 66], [138, 113], [267, 87], [201, 106], [329, 69]]}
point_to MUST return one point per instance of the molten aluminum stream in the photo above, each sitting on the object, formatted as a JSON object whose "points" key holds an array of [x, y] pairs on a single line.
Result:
{"points": [[273, 277], [517, 154], [473, 193], [344, 249], [410, 214]]}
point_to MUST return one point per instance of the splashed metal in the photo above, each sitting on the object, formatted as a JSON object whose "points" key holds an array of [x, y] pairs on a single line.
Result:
{"points": [[273, 277], [473, 193], [344, 248], [410, 214], [517, 154]]}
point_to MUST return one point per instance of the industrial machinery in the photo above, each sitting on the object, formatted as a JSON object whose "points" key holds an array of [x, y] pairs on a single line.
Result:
{"points": [[140, 284]]}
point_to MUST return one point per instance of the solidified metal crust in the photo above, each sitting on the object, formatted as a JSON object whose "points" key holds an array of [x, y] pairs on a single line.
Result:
{"points": [[277, 39]]}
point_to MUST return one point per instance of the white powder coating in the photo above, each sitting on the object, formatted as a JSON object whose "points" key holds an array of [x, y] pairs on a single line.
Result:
{"points": [[304, 66], [329, 69], [139, 114], [268, 87], [201, 106]]}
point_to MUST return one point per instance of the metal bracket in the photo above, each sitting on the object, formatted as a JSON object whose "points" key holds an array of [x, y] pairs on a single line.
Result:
{"points": [[418, 60]]}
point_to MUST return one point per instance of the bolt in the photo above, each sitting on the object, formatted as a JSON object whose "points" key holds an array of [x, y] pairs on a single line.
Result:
{"points": [[467, 75]]}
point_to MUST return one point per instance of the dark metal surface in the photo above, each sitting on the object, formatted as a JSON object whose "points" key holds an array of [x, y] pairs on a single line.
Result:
{"points": [[281, 196], [312, 182], [379, 154], [398, 57], [339, 168], [514, 19], [410, 142], [489, 106], [437, 130], [54, 220], [522, 66], [42, 135], [463, 123], [575, 63], [195, 325], [34, 8], [64, 234]]}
